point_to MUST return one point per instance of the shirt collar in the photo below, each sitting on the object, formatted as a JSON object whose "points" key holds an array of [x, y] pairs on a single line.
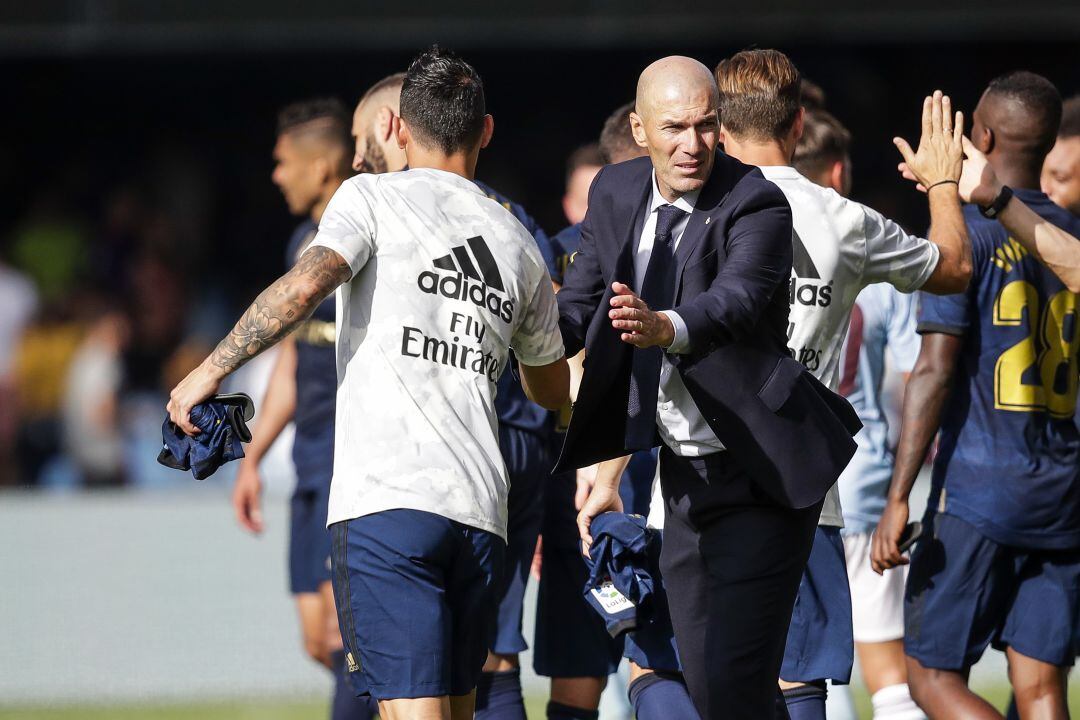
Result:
{"points": [[685, 203], [779, 171]]}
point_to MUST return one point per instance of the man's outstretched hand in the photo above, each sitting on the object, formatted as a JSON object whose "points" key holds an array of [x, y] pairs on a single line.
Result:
{"points": [[603, 498], [640, 326], [941, 152]]}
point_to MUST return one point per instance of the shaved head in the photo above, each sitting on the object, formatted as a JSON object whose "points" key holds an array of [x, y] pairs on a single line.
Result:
{"points": [[1016, 122], [371, 129], [672, 80], [675, 119]]}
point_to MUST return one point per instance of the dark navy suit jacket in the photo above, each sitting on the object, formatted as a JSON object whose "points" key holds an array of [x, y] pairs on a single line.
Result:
{"points": [[788, 431]]}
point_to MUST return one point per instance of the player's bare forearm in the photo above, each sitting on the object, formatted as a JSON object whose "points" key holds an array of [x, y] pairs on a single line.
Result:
{"points": [[278, 404], [949, 232], [1054, 247], [925, 395], [281, 307]]}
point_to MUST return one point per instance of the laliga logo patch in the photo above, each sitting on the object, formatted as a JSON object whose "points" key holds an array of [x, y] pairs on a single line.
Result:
{"points": [[613, 601]]}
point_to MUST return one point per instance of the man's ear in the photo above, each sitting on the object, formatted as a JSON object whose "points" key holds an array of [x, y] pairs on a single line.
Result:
{"points": [[400, 130], [384, 124], [985, 140], [637, 127], [837, 177], [797, 127], [489, 130]]}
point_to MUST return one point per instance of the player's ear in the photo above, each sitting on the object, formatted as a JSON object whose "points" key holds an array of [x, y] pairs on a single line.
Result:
{"points": [[400, 131], [384, 124], [489, 130], [838, 177], [797, 126], [637, 128], [984, 140]]}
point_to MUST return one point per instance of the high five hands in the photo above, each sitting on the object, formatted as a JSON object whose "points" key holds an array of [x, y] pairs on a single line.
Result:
{"points": [[940, 156], [640, 326], [977, 182]]}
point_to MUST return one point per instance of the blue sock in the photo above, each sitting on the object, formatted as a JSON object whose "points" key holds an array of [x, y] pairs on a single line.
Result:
{"points": [[658, 696], [347, 705], [806, 702], [558, 711], [498, 696], [1013, 713]]}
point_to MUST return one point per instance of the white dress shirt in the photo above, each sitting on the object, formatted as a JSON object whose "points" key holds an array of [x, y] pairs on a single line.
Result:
{"points": [[681, 424]]}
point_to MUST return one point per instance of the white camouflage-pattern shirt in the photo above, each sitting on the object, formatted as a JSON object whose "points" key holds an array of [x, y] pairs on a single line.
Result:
{"points": [[840, 246], [444, 281]]}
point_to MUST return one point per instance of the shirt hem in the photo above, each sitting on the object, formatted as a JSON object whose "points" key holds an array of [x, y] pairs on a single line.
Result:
{"points": [[471, 521]]}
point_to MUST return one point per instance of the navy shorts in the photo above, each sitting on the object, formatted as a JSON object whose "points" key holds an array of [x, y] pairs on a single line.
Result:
{"points": [[528, 462], [571, 638], [309, 540], [819, 641], [965, 591], [416, 602]]}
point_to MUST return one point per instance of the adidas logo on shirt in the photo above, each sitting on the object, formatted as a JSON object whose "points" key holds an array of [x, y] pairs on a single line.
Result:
{"points": [[475, 278]]}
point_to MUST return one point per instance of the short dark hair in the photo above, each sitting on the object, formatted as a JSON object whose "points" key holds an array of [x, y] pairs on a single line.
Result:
{"points": [[1070, 118], [327, 120], [1041, 102], [329, 111], [760, 94], [584, 156], [442, 100], [617, 139], [824, 141]]}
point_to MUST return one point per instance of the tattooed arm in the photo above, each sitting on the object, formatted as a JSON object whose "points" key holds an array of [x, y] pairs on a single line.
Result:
{"points": [[273, 315]]}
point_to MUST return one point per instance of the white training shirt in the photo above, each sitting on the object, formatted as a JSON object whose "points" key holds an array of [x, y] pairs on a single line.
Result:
{"points": [[444, 280], [840, 246]]}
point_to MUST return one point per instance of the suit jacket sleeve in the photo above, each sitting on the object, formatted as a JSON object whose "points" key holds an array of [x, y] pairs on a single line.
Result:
{"points": [[758, 247], [583, 284]]}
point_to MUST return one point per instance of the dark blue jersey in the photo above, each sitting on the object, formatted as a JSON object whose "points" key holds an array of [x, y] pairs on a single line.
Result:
{"points": [[511, 405], [566, 244], [316, 381], [1009, 457]]}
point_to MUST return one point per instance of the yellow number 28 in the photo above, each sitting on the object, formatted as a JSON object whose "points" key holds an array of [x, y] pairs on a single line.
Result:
{"points": [[1057, 359]]}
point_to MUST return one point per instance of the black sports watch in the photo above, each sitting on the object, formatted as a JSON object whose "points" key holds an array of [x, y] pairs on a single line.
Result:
{"points": [[994, 209]]}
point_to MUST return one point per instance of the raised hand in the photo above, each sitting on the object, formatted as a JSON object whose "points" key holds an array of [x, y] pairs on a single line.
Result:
{"points": [[940, 156]]}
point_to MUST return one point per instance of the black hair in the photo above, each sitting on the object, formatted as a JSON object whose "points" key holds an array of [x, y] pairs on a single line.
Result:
{"points": [[1041, 103], [442, 100], [330, 111]]}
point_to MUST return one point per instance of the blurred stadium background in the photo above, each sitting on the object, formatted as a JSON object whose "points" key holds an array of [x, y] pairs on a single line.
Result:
{"points": [[138, 219]]}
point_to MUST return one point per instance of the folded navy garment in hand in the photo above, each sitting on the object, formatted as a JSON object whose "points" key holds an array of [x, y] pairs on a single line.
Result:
{"points": [[623, 571], [223, 420]]}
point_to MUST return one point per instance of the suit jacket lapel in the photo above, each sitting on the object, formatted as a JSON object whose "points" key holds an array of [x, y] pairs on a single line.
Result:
{"points": [[712, 196], [624, 265]]}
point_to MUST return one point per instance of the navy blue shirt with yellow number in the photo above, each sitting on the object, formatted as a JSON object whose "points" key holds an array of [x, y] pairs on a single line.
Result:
{"points": [[1009, 456], [511, 405], [316, 382]]}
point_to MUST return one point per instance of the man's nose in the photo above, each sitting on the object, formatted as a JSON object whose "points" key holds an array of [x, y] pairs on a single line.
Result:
{"points": [[693, 143]]}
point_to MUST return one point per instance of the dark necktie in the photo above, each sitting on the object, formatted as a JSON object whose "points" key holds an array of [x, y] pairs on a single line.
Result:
{"points": [[657, 291]]}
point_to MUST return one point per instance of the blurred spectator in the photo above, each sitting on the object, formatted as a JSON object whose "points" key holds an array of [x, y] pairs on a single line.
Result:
{"points": [[50, 247], [18, 303], [91, 403], [581, 168]]}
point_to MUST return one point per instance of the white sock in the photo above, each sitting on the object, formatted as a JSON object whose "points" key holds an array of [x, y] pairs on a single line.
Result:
{"points": [[894, 703], [839, 705]]}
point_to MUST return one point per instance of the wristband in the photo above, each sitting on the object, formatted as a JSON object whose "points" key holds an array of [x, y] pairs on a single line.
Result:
{"points": [[942, 182], [992, 210]]}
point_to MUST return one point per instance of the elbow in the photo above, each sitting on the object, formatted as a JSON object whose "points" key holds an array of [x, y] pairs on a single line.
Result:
{"points": [[554, 392], [953, 279]]}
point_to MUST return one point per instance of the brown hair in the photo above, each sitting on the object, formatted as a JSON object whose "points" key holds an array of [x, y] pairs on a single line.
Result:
{"points": [[584, 156], [759, 94], [824, 141]]}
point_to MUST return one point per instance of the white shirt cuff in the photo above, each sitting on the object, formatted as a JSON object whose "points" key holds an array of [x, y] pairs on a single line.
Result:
{"points": [[681, 343]]}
